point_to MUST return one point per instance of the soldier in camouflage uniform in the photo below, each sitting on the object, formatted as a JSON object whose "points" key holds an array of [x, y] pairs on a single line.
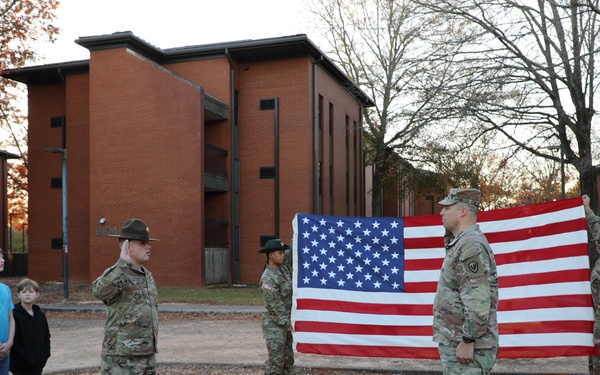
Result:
{"points": [[276, 288], [129, 292], [593, 222], [465, 324]]}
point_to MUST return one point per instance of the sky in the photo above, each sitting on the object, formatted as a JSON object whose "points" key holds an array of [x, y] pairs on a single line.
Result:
{"points": [[171, 23]]}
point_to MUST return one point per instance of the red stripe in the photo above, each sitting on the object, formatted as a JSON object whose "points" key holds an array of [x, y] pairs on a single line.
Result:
{"points": [[546, 351], [530, 303], [368, 351], [421, 287], [544, 278], [540, 231], [566, 326], [423, 264], [529, 210], [363, 308], [579, 326], [566, 251], [363, 329]]}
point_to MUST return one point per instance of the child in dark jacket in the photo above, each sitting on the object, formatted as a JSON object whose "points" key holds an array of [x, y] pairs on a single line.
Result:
{"points": [[31, 348]]}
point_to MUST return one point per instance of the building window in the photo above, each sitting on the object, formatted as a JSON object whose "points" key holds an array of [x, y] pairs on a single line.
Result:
{"points": [[56, 243], [266, 237], [267, 172], [57, 122], [56, 183], [267, 104]]}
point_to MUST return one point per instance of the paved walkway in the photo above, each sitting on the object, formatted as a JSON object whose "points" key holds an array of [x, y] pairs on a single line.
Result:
{"points": [[184, 308]]}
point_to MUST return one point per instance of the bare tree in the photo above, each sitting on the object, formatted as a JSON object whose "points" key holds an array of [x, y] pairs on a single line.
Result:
{"points": [[381, 45], [528, 72]]}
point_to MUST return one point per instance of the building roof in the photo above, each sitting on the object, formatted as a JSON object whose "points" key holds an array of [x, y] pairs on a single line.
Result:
{"points": [[240, 51]]}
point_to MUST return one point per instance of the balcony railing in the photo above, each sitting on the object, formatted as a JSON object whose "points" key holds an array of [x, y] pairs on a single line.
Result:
{"points": [[215, 160]]}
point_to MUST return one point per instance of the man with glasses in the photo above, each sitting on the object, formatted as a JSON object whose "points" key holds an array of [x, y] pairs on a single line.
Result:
{"points": [[129, 292]]}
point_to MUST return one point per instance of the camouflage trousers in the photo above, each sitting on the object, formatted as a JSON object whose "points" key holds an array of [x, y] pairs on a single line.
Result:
{"points": [[280, 348], [121, 365], [482, 363], [594, 365]]}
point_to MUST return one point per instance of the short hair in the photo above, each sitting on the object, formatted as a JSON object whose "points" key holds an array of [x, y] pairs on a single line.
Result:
{"points": [[28, 284], [471, 207]]}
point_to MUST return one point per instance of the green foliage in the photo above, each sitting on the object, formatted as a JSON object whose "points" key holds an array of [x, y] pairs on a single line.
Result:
{"points": [[18, 240], [249, 295]]}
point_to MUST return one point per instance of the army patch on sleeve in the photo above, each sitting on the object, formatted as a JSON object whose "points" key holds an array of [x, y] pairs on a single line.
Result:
{"points": [[267, 287]]}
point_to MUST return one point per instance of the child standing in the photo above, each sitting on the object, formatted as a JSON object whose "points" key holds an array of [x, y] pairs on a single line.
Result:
{"points": [[31, 348]]}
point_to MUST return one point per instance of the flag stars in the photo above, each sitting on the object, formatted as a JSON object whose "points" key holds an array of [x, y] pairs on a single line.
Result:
{"points": [[367, 247], [358, 268], [315, 273], [357, 224], [368, 277], [322, 222], [395, 285], [332, 259], [384, 233], [306, 280], [341, 267], [376, 240], [323, 236], [357, 253], [349, 246], [376, 225], [394, 240], [377, 285], [367, 261], [349, 275], [314, 228], [314, 257], [394, 225], [359, 284], [314, 243], [331, 245], [323, 266], [395, 255], [341, 282], [323, 281], [340, 238], [323, 251], [385, 248], [385, 277], [366, 232], [331, 230], [331, 274], [394, 271], [385, 262], [305, 250], [358, 239], [348, 232], [306, 235], [305, 220], [376, 269], [349, 260], [376, 255], [306, 265]]}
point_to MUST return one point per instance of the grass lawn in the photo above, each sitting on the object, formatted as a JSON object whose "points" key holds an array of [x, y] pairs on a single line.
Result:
{"points": [[247, 295]]}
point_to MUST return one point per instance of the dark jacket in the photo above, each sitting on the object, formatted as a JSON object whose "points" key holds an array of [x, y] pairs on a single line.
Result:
{"points": [[31, 347]]}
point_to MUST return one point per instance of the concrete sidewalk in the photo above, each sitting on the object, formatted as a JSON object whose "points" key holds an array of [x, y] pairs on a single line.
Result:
{"points": [[182, 308]]}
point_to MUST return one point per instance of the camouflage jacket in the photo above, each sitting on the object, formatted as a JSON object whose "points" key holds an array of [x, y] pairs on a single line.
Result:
{"points": [[466, 300], [131, 327], [593, 222], [276, 288]]}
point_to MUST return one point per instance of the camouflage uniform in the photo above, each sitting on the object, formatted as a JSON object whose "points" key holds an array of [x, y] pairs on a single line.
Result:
{"points": [[131, 328], [594, 225], [466, 303], [276, 287]]}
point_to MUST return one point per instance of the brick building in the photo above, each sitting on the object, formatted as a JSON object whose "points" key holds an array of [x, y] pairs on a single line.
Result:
{"points": [[215, 147]]}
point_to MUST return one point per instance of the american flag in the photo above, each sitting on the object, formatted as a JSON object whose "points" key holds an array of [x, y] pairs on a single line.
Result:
{"points": [[365, 286]]}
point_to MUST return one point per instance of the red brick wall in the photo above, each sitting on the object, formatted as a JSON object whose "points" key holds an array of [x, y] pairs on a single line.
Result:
{"points": [[45, 204], [147, 130]]}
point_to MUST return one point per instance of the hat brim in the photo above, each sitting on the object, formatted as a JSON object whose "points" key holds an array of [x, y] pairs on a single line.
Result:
{"points": [[447, 202], [133, 238], [267, 250]]}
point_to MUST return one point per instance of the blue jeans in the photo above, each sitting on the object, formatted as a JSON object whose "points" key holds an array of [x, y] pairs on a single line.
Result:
{"points": [[4, 365]]}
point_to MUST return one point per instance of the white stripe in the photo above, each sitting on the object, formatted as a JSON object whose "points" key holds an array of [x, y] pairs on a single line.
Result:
{"points": [[544, 290], [532, 221], [364, 340], [504, 317], [547, 339], [421, 276], [543, 242], [506, 341], [429, 253], [542, 266], [541, 315], [364, 297], [367, 319]]}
